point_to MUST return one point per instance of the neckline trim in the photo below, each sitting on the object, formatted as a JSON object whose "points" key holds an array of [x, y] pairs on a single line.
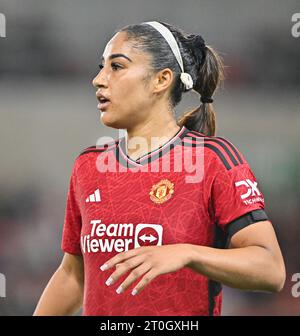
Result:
{"points": [[150, 156]]}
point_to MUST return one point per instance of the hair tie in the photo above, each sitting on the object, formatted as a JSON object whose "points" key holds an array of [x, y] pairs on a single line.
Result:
{"points": [[187, 80], [199, 47], [206, 100]]}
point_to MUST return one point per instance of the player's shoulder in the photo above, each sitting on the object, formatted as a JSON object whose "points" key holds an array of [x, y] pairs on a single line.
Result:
{"points": [[94, 150], [98, 148], [218, 149]]}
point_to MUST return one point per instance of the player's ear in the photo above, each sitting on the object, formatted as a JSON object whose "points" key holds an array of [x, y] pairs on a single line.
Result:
{"points": [[163, 80]]}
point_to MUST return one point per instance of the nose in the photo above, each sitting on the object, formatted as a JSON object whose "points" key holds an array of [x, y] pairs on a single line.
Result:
{"points": [[99, 80]]}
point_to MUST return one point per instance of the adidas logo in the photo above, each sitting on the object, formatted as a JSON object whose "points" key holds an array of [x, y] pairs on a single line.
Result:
{"points": [[94, 197]]}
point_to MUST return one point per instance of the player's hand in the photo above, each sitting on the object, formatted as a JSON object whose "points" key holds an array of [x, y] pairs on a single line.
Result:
{"points": [[147, 262]]}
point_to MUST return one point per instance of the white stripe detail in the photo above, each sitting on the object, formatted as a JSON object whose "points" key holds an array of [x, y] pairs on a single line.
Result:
{"points": [[97, 195], [94, 197]]}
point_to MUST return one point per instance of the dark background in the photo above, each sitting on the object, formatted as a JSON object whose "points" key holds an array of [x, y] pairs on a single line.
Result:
{"points": [[48, 115]]}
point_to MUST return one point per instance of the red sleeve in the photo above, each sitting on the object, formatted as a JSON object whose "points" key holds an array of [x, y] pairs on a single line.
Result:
{"points": [[72, 222], [234, 193]]}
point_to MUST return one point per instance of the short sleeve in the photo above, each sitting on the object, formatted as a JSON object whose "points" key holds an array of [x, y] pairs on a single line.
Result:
{"points": [[72, 221], [236, 197]]}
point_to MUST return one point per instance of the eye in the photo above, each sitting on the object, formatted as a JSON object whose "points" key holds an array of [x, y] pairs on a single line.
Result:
{"points": [[116, 66], [101, 67]]}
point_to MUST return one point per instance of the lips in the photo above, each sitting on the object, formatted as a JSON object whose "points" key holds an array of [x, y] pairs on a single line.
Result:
{"points": [[103, 105], [103, 101]]}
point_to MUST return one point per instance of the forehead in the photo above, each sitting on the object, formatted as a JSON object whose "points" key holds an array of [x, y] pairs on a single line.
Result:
{"points": [[119, 44]]}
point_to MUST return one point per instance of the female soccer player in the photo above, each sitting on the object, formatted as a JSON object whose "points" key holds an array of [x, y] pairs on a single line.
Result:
{"points": [[144, 233]]}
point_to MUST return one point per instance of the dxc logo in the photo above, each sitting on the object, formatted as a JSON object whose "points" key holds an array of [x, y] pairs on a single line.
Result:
{"points": [[2, 285], [252, 188], [2, 25]]}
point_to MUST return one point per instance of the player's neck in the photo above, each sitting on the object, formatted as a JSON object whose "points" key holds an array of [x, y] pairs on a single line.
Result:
{"points": [[150, 136]]}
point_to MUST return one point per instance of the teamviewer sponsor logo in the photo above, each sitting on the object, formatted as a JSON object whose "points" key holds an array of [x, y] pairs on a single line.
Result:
{"points": [[148, 234], [120, 237]]}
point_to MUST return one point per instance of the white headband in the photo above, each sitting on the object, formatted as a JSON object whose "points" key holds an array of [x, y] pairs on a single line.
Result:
{"points": [[185, 77]]}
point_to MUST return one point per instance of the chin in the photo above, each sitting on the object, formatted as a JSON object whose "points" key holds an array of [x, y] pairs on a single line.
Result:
{"points": [[109, 121]]}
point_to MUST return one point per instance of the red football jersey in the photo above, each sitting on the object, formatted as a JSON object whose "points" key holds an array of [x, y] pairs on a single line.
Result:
{"points": [[194, 189]]}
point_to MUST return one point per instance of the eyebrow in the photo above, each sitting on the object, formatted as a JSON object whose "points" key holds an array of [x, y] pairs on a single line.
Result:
{"points": [[117, 55]]}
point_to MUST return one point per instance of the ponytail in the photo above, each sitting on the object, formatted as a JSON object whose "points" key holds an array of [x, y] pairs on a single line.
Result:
{"points": [[211, 73]]}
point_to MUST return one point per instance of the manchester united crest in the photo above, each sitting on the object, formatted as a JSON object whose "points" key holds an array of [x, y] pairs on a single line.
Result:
{"points": [[161, 191]]}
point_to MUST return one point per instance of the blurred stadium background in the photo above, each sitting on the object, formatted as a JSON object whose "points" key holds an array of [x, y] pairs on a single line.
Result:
{"points": [[48, 114]]}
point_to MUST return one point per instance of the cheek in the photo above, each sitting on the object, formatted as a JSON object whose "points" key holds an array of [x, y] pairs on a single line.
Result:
{"points": [[131, 85], [132, 95]]}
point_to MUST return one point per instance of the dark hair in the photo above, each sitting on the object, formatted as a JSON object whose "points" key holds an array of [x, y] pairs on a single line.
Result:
{"points": [[200, 61]]}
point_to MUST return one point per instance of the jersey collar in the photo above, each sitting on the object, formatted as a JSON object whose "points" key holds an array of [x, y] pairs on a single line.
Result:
{"points": [[124, 159]]}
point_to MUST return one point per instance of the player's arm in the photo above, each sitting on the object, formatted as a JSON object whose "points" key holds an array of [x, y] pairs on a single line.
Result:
{"points": [[253, 260], [64, 293]]}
